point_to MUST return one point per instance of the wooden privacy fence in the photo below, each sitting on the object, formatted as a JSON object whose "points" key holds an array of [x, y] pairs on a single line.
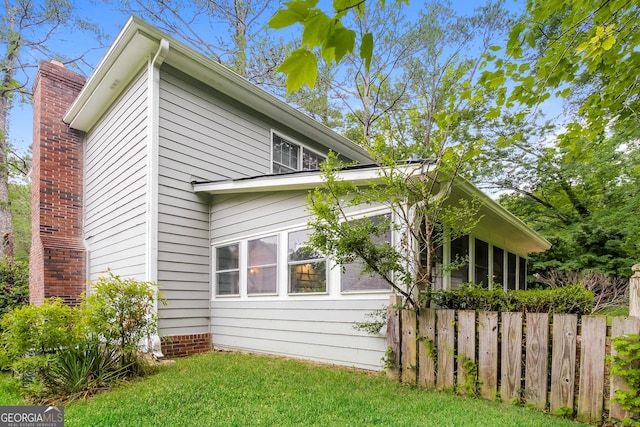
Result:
{"points": [[558, 366]]}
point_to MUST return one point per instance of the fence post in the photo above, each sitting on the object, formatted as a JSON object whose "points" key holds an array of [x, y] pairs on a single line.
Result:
{"points": [[634, 292], [392, 357]]}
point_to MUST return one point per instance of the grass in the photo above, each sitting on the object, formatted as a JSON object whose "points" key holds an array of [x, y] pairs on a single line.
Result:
{"points": [[231, 389]]}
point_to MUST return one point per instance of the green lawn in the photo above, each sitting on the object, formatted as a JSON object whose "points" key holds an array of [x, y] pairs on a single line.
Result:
{"points": [[230, 389]]}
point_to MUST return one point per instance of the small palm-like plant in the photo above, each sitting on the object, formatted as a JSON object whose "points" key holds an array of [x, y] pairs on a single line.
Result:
{"points": [[84, 369]]}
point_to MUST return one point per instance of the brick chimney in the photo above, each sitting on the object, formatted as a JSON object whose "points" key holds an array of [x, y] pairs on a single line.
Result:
{"points": [[57, 260]]}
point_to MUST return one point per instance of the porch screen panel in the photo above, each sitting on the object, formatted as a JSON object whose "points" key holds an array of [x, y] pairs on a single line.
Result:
{"points": [[512, 260], [498, 267], [481, 271], [522, 273], [460, 256]]}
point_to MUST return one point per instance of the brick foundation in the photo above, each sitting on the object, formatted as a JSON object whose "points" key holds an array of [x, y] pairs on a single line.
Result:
{"points": [[58, 257], [185, 345]]}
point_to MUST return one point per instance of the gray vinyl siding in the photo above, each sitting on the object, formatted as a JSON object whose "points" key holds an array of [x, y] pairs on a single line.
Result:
{"points": [[316, 327], [202, 137], [320, 330], [237, 215], [115, 186]]}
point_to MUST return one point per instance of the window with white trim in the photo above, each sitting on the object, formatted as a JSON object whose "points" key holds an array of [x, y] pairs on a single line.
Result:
{"points": [[227, 271], [262, 265], [352, 277], [289, 156], [307, 268]]}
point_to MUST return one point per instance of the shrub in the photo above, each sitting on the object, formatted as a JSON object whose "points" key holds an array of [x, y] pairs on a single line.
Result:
{"points": [[626, 364], [121, 313], [82, 369], [61, 351], [608, 291], [568, 299], [14, 285], [32, 334]]}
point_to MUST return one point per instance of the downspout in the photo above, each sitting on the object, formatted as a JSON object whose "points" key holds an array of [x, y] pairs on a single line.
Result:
{"points": [[153, 119]]}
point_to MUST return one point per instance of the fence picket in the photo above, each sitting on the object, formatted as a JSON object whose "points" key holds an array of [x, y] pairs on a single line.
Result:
{"points": [[393, 337], [488, 353], [511, 357], [408, 346], [563, 362], [446, 339], [592, 352], [466, 346], [621, 326], [427, 347], [537, 354]]}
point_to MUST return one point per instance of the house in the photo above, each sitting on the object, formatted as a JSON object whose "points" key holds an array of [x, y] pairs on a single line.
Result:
{"points": [[165, 166]]}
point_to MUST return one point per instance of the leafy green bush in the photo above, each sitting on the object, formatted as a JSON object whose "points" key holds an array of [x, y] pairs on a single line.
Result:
{"points": [[626, 364], [569, 299], [59, 351], [121, 313], [14, 285], [32, 334]]}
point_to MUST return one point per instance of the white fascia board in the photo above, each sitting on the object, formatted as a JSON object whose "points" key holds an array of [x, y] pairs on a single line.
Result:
{"points": [[136, 44], [128, 54], [296, 181], [491, 206]]}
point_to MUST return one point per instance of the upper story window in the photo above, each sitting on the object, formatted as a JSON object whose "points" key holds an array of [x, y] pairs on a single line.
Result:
{"points": [[289, 156]]}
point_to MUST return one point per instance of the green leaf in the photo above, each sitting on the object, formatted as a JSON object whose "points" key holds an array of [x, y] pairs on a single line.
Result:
{"points": [[301, 67], [343, 40], [582, 47], [493, 113], [366, 49], [285, 18], [316, 29], [608, 43]]}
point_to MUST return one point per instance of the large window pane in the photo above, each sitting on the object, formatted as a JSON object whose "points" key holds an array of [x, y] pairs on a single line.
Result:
{"points": [[498, 267], [481, 263], [352, 278], [262, 259], [460, 256], [227, 270], [307, 269]]}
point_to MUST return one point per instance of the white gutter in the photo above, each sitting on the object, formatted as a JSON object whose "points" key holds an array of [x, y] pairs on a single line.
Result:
{"points": [[295, 181]]}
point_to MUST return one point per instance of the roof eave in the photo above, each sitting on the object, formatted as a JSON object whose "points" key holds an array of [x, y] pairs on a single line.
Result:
{"points": [[138, 41], [541, 244]]}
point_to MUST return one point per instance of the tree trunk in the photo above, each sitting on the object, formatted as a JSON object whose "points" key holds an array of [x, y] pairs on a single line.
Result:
{"points": [[6, 219], [240, 37]]}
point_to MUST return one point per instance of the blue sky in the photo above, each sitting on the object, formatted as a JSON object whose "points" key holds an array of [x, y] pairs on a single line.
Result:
{"points": [[111, 20]]}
